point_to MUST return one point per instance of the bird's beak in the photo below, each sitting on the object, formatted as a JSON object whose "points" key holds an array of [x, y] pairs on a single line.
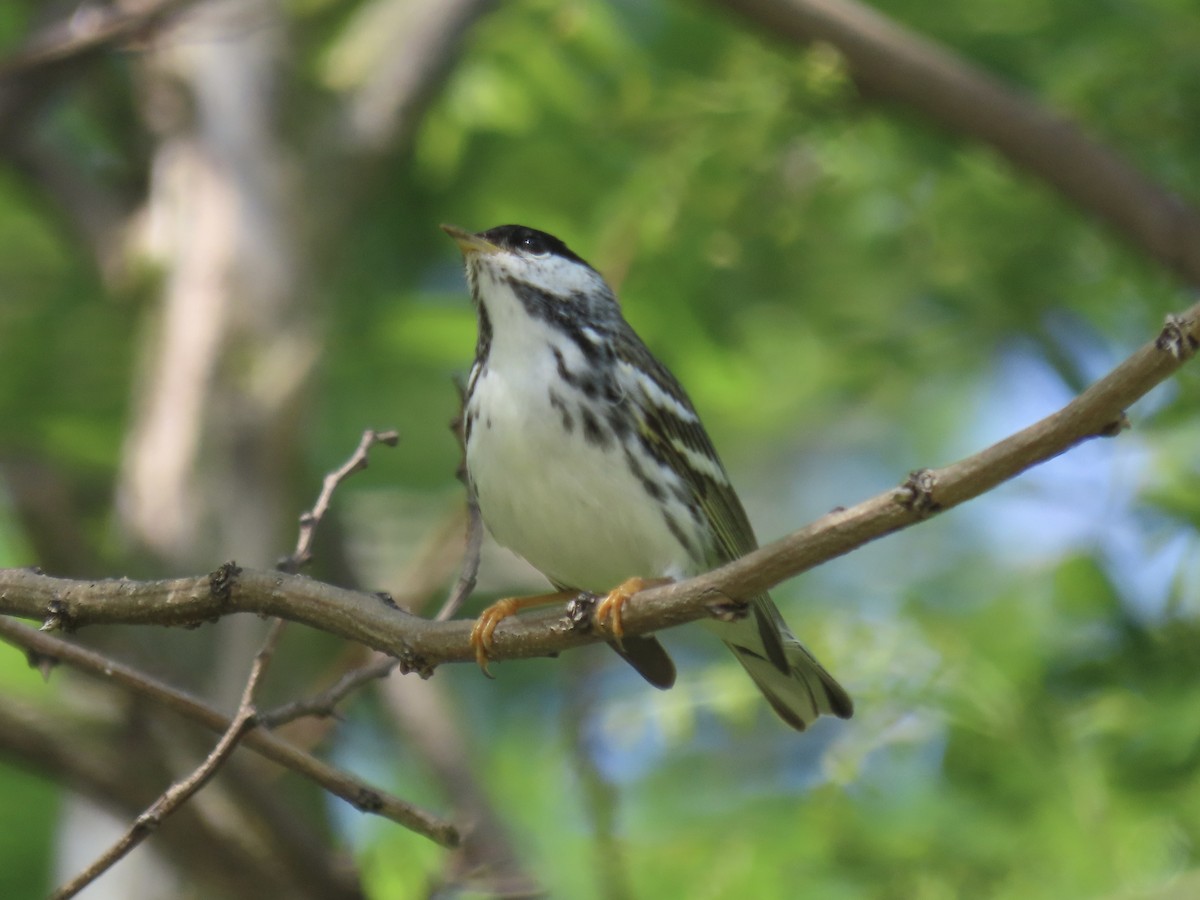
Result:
{"points": [[470, 243]]}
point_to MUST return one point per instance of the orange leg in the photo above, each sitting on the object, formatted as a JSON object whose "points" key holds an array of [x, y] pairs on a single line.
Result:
{"points": [[608, 610], [485, 625]]}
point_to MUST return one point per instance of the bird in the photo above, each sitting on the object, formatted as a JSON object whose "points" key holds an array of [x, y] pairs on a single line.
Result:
{"points": [[587, 458]]}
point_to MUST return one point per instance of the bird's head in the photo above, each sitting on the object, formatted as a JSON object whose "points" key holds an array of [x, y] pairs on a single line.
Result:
{"points": [[512, 268]]}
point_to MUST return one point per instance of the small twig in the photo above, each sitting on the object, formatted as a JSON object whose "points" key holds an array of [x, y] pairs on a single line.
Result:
{"points": [[179, 793], [311, 519], [325, 703], [470, 566]]}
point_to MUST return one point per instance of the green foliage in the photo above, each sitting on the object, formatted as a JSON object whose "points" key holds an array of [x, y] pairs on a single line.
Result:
{"points": [[27, 811]]}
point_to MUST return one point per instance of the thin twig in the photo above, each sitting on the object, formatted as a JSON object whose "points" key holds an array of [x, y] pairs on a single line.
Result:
{"points": [[42, 647], [182, 791], [470, 564], [474, 543], [325, 703], [311, 519]]}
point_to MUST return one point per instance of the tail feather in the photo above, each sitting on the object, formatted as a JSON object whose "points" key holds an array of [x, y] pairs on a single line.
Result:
{"points": [[650, 659], [800, 690]]}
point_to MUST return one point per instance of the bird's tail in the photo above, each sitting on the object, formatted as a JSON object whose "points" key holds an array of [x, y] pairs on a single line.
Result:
{"points": [[794, 683]]}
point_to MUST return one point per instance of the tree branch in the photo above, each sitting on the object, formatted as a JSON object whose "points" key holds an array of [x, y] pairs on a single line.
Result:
{"points": [[359, 794], [892, 62], [179, 793], [88, 750], [64, 49], [421, 645]]}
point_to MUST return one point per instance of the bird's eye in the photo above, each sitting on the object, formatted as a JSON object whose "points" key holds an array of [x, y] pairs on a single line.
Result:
{"points": [[534, 244]]}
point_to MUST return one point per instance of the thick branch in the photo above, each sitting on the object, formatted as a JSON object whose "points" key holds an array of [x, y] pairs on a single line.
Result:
{"points": [[421, 645], [893, 62]]}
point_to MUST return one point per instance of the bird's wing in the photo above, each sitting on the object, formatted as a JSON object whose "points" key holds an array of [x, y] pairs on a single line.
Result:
{"points": [[671, 432]]}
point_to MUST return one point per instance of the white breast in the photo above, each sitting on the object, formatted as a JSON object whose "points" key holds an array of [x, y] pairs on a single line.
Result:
{"points": [[572, 508]]}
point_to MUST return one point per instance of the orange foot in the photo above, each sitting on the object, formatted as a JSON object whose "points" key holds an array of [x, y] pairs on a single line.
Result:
{"points": [[608, 610], [485, 625]]}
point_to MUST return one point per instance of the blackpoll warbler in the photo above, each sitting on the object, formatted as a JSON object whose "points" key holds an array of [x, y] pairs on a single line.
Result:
{"points": [[587, 459]]}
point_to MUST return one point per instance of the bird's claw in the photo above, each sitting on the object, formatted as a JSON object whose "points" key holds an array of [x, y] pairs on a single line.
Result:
{"points": [[485, 625], [608, 612]]}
